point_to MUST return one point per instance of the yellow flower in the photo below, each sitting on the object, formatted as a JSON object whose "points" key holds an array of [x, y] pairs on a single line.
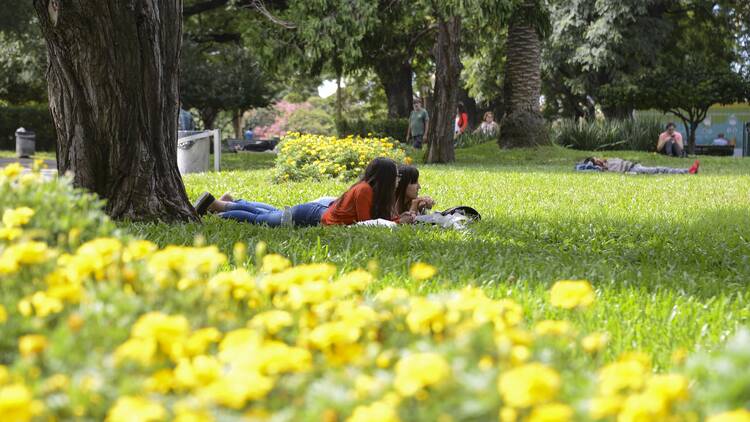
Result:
{"points": [[137, 350], [643, 407], [274, 263], [669, 387], [552, 328], [272, 321], [408, 161], [529, 385], [623, 375], [508, 414], [202, 370], [169, 331], [186, 413], [3, 314], [199, 341], [23, 253], [602, 407], [425, 316], [552, 412], [378, 411], [595, 342], [10, 233], [12, 170], [129, 408], [32, 344], [16, 403], [137, 250], [419, 370], [17, 217], [421, 271], [569, 294], [739, 415]]}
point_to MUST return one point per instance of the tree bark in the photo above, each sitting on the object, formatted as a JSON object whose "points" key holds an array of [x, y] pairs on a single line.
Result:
{"points": [[442, 109], [237, 123], [523, 125], [397, 82], [112, 81]]}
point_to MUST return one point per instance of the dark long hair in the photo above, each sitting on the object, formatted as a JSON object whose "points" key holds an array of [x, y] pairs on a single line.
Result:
{"points": [[409, 175], [380, 174]]}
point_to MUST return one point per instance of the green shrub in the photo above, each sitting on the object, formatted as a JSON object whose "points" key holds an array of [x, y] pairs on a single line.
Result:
{"points": [[629, 134], [392, 128], [470, 139], [36, 118], [316, 157], [313, 121]]}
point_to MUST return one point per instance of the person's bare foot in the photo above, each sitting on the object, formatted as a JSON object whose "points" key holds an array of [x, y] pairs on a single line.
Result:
{"points": [[226, 197]]}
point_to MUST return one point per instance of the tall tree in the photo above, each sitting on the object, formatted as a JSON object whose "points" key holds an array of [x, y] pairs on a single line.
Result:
{"points": [[523, 124], [112, 81], [22, 55], [217, 77], [445, 92]]}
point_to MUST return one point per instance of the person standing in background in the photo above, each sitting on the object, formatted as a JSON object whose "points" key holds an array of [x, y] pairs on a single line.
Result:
{"points": [[419, 124]]}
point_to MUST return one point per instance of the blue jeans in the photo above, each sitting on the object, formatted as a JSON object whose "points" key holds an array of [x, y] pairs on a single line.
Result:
{"points": [[417, 141], [308, 214]]}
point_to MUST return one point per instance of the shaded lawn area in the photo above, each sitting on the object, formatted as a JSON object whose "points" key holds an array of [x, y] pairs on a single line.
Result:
{"points": [[668, 255]]}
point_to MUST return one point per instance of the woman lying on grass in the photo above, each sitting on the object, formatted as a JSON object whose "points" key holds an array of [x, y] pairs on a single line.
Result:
{"points": [[372, 197], [625, 166]]}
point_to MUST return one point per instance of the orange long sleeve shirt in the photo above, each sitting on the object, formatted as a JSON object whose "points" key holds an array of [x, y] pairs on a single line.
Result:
{"points": [[356, 205]]}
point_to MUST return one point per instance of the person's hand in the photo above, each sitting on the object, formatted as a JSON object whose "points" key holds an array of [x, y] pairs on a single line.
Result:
{"points": [[426, 202], [409, 217]]}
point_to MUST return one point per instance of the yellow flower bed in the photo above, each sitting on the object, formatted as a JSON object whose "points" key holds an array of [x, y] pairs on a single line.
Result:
{"points": [[305, 156], [118, 329]]}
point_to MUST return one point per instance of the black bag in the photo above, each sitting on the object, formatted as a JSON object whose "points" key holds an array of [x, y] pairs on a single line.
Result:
{"points": [[464, 210]]}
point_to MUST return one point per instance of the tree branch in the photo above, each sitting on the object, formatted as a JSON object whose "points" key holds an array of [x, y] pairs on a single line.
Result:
{"points": [[228, 37]]}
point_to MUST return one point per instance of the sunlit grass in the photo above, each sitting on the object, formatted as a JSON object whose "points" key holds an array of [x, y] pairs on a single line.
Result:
{"points": [[667, 254]]}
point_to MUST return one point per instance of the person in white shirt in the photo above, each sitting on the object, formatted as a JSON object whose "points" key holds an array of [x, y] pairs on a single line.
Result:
{"points": [[720, 140]]}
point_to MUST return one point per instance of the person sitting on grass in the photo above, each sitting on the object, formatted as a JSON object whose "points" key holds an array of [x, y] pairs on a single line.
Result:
{"points": [[670, 142], [624, 166], [372, 197], [407, 193]]}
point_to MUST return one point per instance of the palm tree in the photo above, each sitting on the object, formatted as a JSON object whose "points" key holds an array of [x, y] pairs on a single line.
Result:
{"points": [[523, 124]]}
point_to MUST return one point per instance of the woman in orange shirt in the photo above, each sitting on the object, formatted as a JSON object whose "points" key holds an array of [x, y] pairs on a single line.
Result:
{"points": [[370, 198]]}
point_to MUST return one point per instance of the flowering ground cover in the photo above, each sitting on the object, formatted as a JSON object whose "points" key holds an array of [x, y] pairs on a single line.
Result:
{"points": [[559, 306]]}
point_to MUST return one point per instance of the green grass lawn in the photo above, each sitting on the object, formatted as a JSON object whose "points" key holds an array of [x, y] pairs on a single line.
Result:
{"points": [[668, 255]]}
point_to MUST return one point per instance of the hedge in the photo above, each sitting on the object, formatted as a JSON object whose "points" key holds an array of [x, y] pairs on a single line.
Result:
{"points": [[35, 118], [393, 128]]}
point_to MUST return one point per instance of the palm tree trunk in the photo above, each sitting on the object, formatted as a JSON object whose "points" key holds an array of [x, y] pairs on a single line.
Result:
{"points": [[523, 125]]}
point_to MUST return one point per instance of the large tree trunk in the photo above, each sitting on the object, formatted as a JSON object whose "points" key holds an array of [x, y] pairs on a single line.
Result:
{"points": [[397, 82], [442, 108], [112, 76], [237, 124], [523, 125]]}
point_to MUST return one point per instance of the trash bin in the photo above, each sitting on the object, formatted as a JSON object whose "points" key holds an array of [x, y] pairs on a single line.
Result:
{"points": [[25, 143], [193, 154]]}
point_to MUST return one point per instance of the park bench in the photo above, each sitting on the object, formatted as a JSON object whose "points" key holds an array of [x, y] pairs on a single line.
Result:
{"points": [[723, 150]]}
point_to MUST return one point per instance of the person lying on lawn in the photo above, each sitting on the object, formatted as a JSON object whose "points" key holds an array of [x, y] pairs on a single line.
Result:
{"points": [[407, 193], [372, 197], [625, 166]]}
